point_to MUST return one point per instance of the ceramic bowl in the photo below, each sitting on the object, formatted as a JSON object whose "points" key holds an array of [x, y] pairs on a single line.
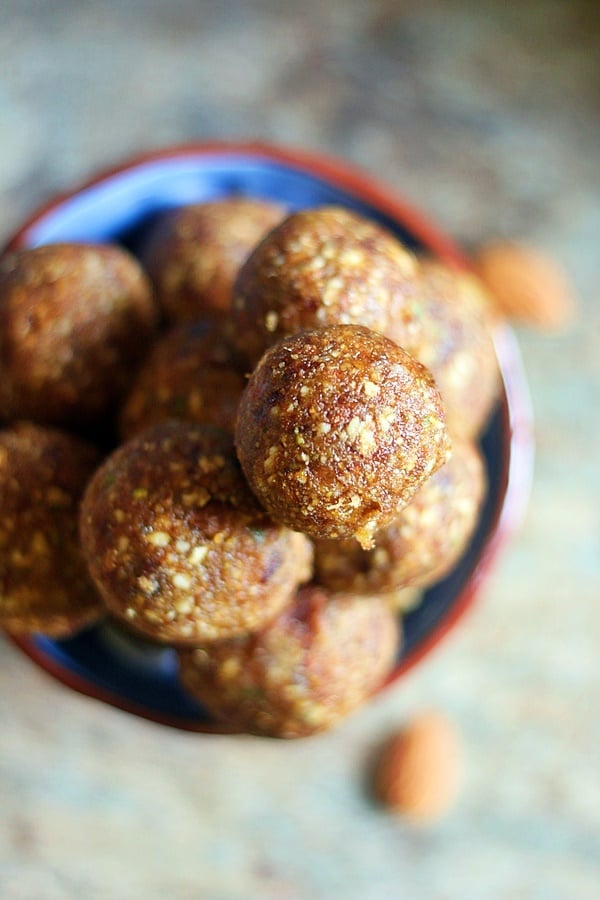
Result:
{"points": [[118, 206]]}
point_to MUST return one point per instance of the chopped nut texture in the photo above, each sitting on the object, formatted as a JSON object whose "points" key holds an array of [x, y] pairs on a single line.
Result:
{"points": [[194, 253], [423, 543], [353, 477], [322, 267], [314, 664], [75, 321], [202, 560], [189, 374], [44, 584], [454, 340]]}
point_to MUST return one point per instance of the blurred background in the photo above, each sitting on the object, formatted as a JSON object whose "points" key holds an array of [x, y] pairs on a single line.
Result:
{"points": [[487, 117]]}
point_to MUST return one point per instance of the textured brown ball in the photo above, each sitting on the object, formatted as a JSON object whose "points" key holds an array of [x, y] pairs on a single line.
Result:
{"points": [[454, 340], [322, 267], [177, 544], [75, 320], [194, 253], [190, 374], [312, 666], [423, 543], [44, 583], [337, 429], [419, 769]]}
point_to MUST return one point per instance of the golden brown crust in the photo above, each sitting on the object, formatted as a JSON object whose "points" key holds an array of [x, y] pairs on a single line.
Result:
{"points": [[423, 543], [190, 374], [322, 267], [177, 544], [312, 666], [75, 320], [337, 429], [454, 340], [44, 584], [195, 252]]}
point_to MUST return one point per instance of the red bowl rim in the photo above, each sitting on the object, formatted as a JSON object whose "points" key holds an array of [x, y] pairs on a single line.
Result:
{"points": [[515, 401]]}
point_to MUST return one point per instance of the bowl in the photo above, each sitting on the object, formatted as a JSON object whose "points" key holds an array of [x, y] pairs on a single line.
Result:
{"points": [[119, 205]]}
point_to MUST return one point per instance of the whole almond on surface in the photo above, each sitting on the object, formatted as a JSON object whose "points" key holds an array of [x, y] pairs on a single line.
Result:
{"points": [[526, 285], [419, 769]]}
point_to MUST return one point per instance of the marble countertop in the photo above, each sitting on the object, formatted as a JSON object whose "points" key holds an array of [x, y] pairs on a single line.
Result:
{"points": [[486, 116]]}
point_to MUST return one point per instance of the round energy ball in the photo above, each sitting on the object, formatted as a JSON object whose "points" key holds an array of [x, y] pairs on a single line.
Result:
{"points": [[189, 374], [44, 583], [322, 267], [303, 673], [423, 543], [75, 320], [454, 341], [178, 546], [194, 252], [337, 429]]}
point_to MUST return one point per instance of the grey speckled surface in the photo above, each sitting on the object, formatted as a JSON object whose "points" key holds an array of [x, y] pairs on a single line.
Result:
{"points": [[486, 116]]}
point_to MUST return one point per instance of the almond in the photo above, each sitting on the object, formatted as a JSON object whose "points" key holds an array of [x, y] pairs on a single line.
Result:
{"points": [[526, 285], [419, 769]]}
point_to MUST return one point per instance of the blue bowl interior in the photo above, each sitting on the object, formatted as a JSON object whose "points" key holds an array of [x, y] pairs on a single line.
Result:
{"points": [[121, 209]]}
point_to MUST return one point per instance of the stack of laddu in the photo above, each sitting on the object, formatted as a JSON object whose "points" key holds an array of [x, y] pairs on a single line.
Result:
{"points": [[256, 443]]}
